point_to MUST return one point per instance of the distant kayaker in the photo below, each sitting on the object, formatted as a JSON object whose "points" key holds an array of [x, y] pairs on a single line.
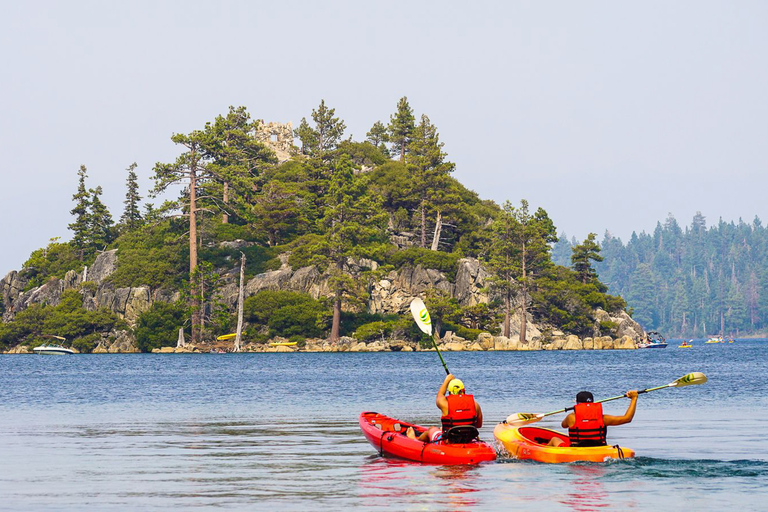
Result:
{"points": [[457, 409], [587, 425]]}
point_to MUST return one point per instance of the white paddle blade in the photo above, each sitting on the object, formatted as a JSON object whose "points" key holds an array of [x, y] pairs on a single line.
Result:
{"points": [[691, 379], [421, 316], [519, 419]]}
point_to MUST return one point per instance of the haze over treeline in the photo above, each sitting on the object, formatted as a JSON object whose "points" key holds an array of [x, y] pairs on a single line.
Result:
{"points": [[690, 281]]}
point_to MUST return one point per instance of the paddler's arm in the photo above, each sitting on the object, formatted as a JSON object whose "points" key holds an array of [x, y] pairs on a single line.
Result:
{"points": [[568, 421], [440, 400], [621, 420]]}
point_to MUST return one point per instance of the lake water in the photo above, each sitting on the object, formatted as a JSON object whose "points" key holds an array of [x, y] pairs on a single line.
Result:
{"points": [[280, 431]]}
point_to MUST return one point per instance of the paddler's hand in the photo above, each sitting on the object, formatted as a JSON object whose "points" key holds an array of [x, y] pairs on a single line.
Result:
{"points": [[632, 394], [449, 378]]}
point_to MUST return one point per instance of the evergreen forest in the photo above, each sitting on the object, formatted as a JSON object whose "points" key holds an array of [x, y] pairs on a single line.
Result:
{"points": [[696, 281]]}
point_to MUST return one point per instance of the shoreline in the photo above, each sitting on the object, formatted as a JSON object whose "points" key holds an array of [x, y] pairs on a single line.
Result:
{"points": [[484, 343]]}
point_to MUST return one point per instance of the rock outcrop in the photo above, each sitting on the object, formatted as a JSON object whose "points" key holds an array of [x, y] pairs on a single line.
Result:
{"points": [[392, 293], [119, 342]]}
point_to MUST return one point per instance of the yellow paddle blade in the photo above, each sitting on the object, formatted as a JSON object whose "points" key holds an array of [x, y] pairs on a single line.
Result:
{"points": [[519, 419], [421, 316], [691, 379]]}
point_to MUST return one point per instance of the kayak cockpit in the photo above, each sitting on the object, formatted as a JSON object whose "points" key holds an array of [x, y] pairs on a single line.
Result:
{"points": [[543, 436]]}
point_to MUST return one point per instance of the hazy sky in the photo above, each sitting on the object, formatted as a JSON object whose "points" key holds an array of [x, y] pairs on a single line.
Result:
{"points": [[609, 115]]}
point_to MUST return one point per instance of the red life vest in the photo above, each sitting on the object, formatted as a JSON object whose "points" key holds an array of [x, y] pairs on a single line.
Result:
{"points": [[589, 428], [461, 411]]}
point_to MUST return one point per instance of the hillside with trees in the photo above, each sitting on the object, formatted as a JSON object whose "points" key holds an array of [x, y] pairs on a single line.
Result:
{"points": [[689, 282], [387, 202]]}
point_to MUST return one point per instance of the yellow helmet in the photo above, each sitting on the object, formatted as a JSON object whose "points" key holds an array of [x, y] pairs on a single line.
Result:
{"points": [[455, 387]]}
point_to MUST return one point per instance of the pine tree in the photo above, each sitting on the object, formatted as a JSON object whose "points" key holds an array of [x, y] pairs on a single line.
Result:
{"points": [[562, 251], [308, 137], [518, 256], [379, 137], [326, 134], [502, 261], [131, 218], [401, 127], [80, 227], [353, 223], [582, 257], [430, 170], [235, 161], [99, 222], [189, 169]]}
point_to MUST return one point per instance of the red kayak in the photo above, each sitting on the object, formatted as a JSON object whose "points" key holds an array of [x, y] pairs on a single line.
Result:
{"points": [[387, 435]]}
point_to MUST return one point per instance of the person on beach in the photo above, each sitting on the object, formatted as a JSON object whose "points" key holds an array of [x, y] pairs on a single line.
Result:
{"points": [[457, 409], [588, 426]]}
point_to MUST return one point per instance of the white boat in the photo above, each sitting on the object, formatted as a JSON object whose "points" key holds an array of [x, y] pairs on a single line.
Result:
{"points": [[654, 340], [52, 350]]}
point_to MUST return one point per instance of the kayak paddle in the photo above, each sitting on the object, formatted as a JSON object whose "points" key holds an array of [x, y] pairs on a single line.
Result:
{"points": [[525, 418], [421, 316]]}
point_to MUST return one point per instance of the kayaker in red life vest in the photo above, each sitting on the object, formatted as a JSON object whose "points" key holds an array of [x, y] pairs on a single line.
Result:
{"points": [[587, 425], [457, 408]]}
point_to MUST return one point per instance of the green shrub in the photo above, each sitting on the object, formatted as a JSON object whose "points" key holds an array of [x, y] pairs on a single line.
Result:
{"points": [[374, 331], [300, 341], [159, 325], [286, 313], [445, 262], [155, 255], [53, 261], [258, 259], [226, 232], [467, 333], [607, 326], [86, 344]]}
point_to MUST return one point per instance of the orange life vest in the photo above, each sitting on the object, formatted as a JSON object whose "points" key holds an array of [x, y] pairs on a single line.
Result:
{"points": [[461, 411], [589, 428]]}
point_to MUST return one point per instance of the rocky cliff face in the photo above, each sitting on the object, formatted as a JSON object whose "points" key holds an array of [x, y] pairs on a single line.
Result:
{"points": [[128, 303], [391, 294]]}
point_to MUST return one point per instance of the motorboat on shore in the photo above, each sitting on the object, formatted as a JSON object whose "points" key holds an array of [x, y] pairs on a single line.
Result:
{"points": [[53, 350]]}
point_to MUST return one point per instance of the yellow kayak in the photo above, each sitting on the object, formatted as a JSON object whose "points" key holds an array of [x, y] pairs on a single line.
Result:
{"points": [[283, 344], [225, 337], [684, 345], [530, 443]]}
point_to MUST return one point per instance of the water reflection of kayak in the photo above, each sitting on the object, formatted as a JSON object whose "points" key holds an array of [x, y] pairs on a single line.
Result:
{"points": [[530, 443], [387, 435]]}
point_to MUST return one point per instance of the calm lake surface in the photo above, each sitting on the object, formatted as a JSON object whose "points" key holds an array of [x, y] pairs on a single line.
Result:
{"points": [[280, 431]]}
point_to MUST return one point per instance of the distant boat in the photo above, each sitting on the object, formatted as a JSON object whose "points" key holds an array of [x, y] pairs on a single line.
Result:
{"points": [[715, 339], [52, 350], [655, 340], [685, 344], [653, 345]]}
